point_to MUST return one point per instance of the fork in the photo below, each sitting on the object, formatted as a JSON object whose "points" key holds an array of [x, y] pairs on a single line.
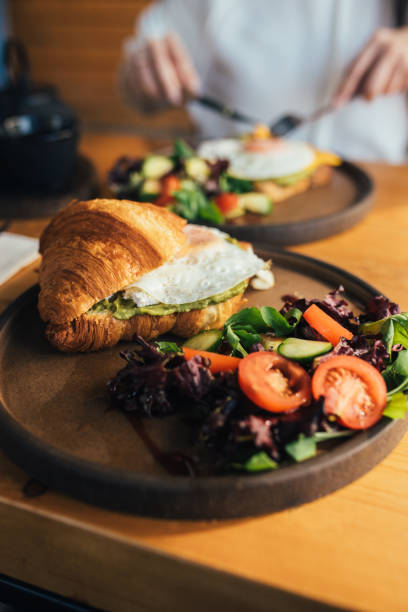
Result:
{"points": [[280, 127]]}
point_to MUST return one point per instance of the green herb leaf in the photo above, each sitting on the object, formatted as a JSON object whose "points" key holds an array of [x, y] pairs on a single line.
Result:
{"points": [[396, 406], [279, 323], [231, 184], [192, 204], [394, 330], [401, 363], [247, 336], [302, 448], [248, 316], [243, 329], [396, 374], [257, 463], [211, 213], [168, 347], [181, 150], [234, 341]]}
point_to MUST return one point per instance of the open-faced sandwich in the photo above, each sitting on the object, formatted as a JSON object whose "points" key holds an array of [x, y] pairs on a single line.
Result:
{"points": [[114, 268], [224, 178]]}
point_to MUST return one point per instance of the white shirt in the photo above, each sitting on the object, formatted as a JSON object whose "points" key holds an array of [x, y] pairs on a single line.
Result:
{"points": [[270, 57]]}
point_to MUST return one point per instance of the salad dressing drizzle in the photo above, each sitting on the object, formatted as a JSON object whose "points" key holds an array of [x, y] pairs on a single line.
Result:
{"points": [[175, 464]]}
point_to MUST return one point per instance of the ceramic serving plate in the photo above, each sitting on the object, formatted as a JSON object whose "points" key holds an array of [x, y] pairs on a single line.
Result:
{"points": [[55, 422], [312, 215]]}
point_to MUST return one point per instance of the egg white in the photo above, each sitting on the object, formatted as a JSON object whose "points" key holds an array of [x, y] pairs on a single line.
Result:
{"points": [[212, 265], [219, 148], [290, 158]]}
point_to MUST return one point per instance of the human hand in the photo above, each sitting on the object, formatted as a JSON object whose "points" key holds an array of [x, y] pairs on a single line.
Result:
{"points": [[381, 68], [162, 72]]}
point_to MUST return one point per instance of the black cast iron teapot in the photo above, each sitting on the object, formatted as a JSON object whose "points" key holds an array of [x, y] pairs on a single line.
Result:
{"points": [[39, 133]]}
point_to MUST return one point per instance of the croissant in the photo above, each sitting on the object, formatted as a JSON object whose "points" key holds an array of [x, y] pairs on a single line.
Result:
{"points": [[94, 249]]}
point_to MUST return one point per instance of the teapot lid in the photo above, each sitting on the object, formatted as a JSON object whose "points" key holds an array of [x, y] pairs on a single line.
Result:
{"points": [[26, 107]]}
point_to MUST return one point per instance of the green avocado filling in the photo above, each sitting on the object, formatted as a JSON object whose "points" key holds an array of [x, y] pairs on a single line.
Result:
{"points": [[123, 308], [292, 179]]}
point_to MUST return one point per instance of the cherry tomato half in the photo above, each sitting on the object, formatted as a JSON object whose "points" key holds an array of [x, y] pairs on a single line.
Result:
{"points": [[353, 390], [227, 202], [273, 382], [169, 185]]}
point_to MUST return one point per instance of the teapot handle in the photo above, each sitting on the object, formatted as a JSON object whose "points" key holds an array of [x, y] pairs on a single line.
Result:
{"points": [[17, 66]]}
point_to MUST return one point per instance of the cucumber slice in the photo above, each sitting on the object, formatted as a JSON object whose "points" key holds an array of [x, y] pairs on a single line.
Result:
{"points": [[303, 350], [135, 178], [197, 168], [271, 343], [149, 190], [256, 202], [235, 212], [205, 341], [156, 166], [187, 184]]}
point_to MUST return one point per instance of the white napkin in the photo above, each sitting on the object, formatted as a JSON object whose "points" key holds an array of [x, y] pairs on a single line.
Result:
{"points": [[15, 252]]}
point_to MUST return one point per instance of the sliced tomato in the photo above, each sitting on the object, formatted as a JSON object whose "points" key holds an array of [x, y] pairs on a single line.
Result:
{"points": [[169, 185], [353, 391], [273, 382], [219, 363], [227, 202]]}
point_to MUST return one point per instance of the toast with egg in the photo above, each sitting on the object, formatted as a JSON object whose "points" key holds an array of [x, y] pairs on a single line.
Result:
{"points": [[114, 268], [278, 193], [276, 167]]}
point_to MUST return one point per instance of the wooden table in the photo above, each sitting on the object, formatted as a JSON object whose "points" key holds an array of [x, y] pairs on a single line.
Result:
{"points": [[348, 549]]}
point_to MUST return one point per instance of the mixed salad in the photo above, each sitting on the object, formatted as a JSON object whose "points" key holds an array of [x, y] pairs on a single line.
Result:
{"points": [[272, 386], [191, 186]]}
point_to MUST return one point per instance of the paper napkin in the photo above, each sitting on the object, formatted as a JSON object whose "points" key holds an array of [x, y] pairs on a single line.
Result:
{"points": [[15, 252]]}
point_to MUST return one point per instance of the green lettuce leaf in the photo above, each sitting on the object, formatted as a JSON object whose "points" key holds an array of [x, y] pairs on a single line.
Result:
{"points": [[396, 406], [257, 463], [302, 448], [168, 347]]}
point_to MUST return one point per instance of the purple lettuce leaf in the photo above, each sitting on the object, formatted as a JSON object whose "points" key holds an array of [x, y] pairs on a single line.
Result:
{"points": [[379, 307], [123, 167], [156, 384]]}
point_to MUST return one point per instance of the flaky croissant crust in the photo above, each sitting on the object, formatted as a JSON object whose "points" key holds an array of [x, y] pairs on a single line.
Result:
{"points": [[95, 248], [95, 331]]}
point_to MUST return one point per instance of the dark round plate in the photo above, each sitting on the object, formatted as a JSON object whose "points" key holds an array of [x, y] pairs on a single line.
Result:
{"points": [[312, 215], [55, 422]]}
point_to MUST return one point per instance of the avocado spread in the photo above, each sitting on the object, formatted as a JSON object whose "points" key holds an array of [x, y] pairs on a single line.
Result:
{"points": [[122, 308], [292, 179]]}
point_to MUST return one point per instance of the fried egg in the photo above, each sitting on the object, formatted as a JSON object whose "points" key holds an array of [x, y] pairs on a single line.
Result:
{"points": [[210, 265], [265, 159]]}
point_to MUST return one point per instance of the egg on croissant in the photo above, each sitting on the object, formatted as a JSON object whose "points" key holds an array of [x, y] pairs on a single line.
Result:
{"points": [[114, 268]]}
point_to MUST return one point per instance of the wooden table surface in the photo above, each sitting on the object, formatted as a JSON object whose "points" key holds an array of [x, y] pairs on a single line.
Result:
{"points": [[348, 549]]}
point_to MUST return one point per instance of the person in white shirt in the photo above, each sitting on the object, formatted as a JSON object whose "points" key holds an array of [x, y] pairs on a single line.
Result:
{"points": [[270, 57]]}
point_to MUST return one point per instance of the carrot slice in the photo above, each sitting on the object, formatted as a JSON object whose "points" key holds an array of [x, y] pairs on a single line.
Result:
{"points": [[219, 363], [326, 325]]}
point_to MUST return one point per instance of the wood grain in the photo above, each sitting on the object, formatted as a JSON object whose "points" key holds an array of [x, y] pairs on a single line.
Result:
{"points": [[77, 45], [347, 549]]}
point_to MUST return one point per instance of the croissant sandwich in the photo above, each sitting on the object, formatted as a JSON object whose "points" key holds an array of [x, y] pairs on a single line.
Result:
{"points": [[114, 268]]}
